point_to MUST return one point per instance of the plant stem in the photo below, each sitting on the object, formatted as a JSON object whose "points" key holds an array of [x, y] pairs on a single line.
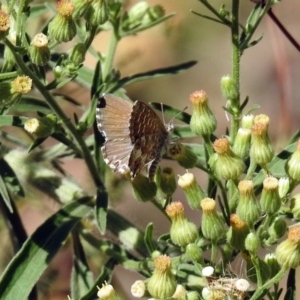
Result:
{"points": [[261, 290], [61, 115], [107, 66], [236, 55]]}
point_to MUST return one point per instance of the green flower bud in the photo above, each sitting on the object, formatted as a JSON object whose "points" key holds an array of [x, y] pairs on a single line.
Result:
{"points": [[237, 232], [229, 88], [271, 261], [39, 52], [183, 231], [203, 122], [193, 192], [295, 206], [248, 207], [41, 126], [180, 293], [225, 163], [162, 284], [138, 11], [138, 289], [143, 189], [283, 186], [4, 24], [107, 292], [62, 28], [155, 12], [293, 164], [252, 243], [81, 8], [183, 155], [168, 181], [270, 200], [247, 121], [7, 98], [98, 13], [288, 252], [261, 151], [8, 60], [241, 145], [77, 54], [194, 253], [211, 223], [192, 296], [276, 230], [11, 91]]}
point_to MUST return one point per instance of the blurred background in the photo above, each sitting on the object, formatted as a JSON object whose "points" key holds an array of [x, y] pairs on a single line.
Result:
{"points": [[270, 73]]}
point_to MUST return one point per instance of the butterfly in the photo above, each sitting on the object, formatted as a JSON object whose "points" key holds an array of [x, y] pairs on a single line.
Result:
{"points": [[135, 136]]}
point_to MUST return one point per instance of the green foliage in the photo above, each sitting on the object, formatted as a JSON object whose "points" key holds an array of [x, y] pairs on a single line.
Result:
{"points": [[33, 111]]}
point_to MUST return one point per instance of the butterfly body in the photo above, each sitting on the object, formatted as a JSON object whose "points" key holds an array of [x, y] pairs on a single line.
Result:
{"points": [[134, 135]]}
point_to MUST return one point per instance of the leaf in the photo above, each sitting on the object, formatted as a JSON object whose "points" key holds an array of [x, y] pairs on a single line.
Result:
{"points": [[28, 104], [81, 277], [148, 238], [148, 25], [4, 194], [12, 121], [11, 179], [30, 262], [104, 276], [157, 73], [67, 98], [208, 18], [38, 10], [101, 210], [61, 137], [36, 143]]}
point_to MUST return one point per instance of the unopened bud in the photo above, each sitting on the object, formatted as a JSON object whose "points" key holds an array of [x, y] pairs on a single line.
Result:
{"points": [[203, 122]]}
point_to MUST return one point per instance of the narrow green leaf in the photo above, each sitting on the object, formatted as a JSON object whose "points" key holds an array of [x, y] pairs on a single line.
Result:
{"points": [[36, 143], [61, 137], [29, 104], [148, 238], [147, 26], [12, 121], [101, 210], [11, 179], [38, 10], [82, 277], [207, 17], [67, 99], [158, 73], [104, 276], [4, 194], [30, 262]]}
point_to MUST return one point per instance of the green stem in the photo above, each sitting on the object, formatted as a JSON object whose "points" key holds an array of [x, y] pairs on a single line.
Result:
{"points": [[236, 55], [208, 145], [107, 65], [262, 290], [257, 267], [61, 115], [213, 256]]}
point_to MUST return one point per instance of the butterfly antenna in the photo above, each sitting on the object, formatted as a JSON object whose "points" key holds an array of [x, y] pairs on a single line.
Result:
{"points": [[172, 120], [162, 112]]}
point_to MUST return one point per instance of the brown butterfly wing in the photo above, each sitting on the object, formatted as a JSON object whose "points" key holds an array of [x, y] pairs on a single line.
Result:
{"points": [[149, 136], [113, 115]]}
